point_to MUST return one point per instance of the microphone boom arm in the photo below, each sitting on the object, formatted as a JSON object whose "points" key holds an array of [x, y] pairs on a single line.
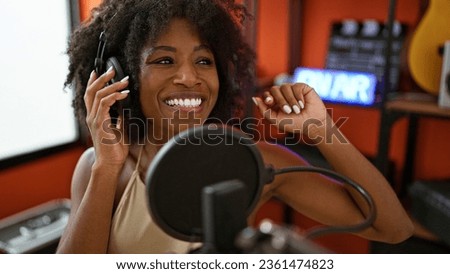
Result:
{"points": [[320, 231]]}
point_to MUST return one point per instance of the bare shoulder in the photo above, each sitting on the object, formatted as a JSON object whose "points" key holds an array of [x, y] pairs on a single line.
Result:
{"points": [[82, 173]]}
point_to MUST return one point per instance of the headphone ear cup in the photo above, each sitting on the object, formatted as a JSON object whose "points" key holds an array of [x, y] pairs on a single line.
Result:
{"points": [[113, 62], [119, 75]]}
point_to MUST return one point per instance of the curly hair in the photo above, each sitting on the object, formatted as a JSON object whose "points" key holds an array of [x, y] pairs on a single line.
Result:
{"points": [[131, 24]]}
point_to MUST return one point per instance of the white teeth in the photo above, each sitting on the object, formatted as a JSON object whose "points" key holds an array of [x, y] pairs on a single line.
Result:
{"points": [[194, 102]]}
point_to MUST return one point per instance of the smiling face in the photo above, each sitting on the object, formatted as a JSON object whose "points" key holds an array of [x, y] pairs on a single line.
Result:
{"points": [[179, 83]]}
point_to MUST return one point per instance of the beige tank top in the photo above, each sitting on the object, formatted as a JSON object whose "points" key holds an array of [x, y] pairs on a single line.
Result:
{"points": [[133, 231]]}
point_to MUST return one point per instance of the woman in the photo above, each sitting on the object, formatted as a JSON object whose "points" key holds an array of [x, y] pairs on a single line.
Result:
{"points": [[186, 62]]}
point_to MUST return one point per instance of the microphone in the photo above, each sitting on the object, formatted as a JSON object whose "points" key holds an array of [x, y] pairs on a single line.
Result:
{"points": [[193, 160], [205, 182]]}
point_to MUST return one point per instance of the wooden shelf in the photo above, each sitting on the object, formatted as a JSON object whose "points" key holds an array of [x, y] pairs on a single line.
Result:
{"points": [[425, 108], [414, 106]]}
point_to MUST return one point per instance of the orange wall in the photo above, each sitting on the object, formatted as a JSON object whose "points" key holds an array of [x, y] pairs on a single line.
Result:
{"points": [[272, 25], [36, 182], [86, 6]]}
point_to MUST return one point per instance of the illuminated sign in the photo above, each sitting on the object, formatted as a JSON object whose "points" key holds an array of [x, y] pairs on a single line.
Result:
{"points": [[357, 88]]}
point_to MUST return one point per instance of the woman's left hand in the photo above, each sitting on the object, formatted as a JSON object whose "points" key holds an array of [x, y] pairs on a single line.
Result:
{"points": [[292, 107]]}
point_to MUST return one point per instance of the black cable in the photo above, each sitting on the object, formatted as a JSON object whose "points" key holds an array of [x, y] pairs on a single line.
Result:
{"points": [[336, 229]]}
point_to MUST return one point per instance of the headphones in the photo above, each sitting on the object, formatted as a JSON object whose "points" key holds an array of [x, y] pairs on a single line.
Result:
{"points": [[101, 66]]}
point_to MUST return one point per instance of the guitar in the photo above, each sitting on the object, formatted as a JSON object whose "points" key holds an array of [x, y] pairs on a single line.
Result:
{"points": [[424, 60]]}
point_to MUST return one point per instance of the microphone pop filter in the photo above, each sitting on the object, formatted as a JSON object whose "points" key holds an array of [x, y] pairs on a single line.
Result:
{"points": [[189, 162]]}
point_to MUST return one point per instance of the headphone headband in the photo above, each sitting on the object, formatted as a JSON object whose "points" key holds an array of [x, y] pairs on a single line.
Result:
{"points": [[99, 63]]}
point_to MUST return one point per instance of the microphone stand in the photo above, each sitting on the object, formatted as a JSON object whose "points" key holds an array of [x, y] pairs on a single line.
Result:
{"points": [[270, 238], [223, 216], [226, 232]]}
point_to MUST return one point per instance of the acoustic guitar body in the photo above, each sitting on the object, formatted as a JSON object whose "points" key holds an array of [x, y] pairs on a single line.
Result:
{"points": [[424, 60]]}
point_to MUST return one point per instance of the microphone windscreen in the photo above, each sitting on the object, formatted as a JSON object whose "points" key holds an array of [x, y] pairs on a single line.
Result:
{"points": [[189, 162]]}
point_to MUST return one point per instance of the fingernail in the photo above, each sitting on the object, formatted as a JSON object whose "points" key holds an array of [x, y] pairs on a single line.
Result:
{"points": [[125, 91], [124, 79], [268, 100], [302, 106], [287, 109], [296, 109], [255, 101], [92, 74], [109, 69]]}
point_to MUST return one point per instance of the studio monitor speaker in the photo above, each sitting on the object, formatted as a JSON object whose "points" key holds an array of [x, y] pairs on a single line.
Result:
{"points": [[444, 90]]}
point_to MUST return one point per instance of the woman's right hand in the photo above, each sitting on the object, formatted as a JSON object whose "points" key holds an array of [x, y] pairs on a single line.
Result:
{"points": [[110, 141]]}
